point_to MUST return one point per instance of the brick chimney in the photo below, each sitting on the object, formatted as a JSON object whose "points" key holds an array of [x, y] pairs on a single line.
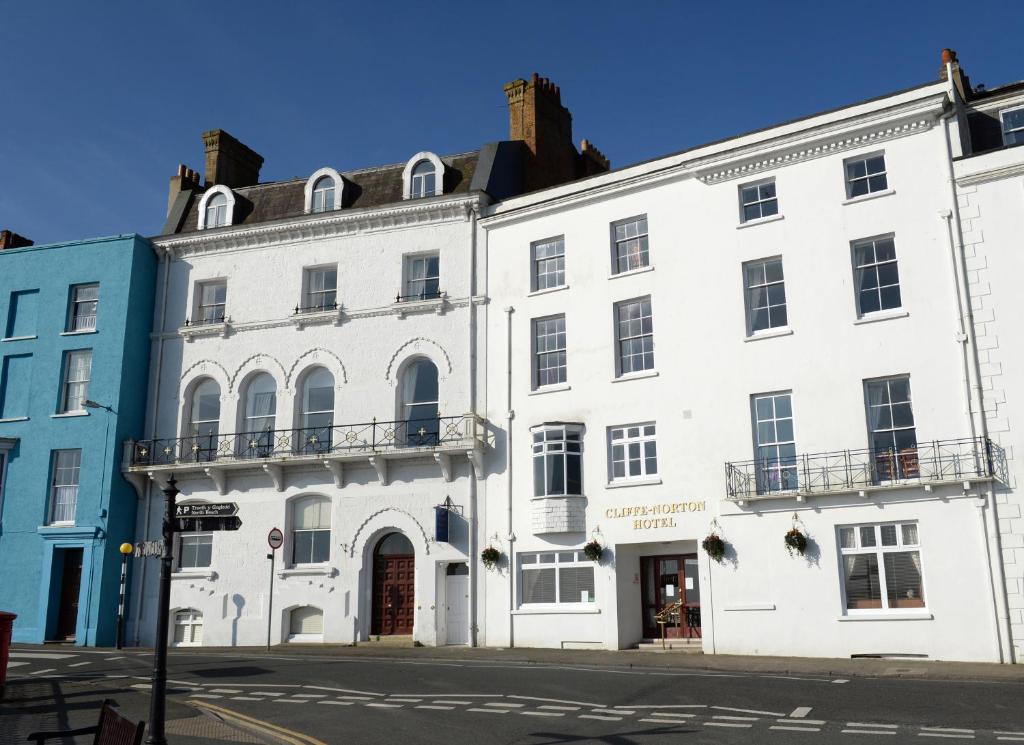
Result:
{"points": [[9, 239], [229, 162], [960, 79], [184, 180], [538, 118]]}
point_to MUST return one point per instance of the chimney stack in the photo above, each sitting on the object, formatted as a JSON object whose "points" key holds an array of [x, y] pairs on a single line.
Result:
{"points": [[230, 162], [9, 239], [184, 180], [538, 119], [960, 79]]}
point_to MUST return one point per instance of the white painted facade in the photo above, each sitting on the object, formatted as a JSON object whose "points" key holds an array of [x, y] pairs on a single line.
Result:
{"points": [[707, 368], [366, 344]]}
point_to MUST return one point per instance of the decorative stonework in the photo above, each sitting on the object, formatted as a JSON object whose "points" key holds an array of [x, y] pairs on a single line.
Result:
{"points": [[258, 362], [207, 368], [558, 515], [322, 356], [362, 527], [420, 345]]}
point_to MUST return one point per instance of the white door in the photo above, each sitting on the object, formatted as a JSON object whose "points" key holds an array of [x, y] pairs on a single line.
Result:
{"points": [[457, 603]]}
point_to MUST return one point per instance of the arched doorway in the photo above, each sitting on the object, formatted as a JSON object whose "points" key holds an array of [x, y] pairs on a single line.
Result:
{"points": [[394, 599]]}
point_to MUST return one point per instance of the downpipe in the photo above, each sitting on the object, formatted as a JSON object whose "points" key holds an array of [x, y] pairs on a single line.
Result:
{"points": [[509, 416]]}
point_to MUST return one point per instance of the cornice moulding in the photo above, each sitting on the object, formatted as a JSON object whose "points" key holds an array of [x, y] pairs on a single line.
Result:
{"points": [[994, 174]]}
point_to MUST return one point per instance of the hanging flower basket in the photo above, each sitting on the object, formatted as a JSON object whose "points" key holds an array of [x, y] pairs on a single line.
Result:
{"points": [[796, 541], [715, 547], [490, 556], [593, 551]]}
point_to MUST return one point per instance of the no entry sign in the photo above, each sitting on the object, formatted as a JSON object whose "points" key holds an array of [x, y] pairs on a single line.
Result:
{"points": [[275, 538]]}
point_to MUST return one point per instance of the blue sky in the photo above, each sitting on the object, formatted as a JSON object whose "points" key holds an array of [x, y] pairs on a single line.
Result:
{"points": [[102, 100]]}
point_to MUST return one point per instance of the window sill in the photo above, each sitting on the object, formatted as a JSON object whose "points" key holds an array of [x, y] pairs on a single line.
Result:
{"points": [[882, 315], [194, 574], [887, 617], [69, 414], [760, 221], [307, 571], [547, 290], [546, 610], [19, 338], [622, 483], [78, 333], [403, 308], [631, 272], [192, 331], [557, 388], [14, 419], [636, 376], [770, 334], [867, 197]]}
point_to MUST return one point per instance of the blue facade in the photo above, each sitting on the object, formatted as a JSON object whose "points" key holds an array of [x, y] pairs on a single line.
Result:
{"points": [[53, 517]]}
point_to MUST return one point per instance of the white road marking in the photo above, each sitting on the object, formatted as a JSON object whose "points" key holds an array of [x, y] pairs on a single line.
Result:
{"points": [[310, 695], [439, 708], [40, 672], [490, 711], [613, 711], [336, 703], [506, 704], [333, 690], [735, 719], [267, 693], [378, 705], [795, 729], [672, 714], [14, 655], [1018, 734], [669, 706], [949, 729], [662, 721], [17, 664], [404, 700], [840, 680], [224, 690], [865, 724], [601, 718], [1012, 739], [801, 721], [868, 732], [950, 735], [727, 724], [750, 711], [451, 701], [356, 698], [542, 714], [559, 708], [199, 695], [800, 712], [111, 659], [115, 676], [245, 698], [559, 701], [289, 700]]}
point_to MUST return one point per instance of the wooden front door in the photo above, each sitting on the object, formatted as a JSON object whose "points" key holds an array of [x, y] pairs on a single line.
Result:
{"points": [[70, 585], [393, 595], [665, 580]]}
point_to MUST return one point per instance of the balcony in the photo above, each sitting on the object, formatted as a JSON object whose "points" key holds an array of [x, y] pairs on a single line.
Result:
{"points": [[862, 471], [335, 447]]}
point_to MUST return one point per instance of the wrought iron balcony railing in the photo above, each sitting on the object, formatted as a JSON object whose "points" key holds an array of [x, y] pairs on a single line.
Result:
{"points": [[935, 461], [341, 439]]}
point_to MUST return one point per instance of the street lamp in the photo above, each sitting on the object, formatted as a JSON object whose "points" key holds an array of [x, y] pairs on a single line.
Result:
{"points": [[158, 689], [90, 404], [126, 551]]}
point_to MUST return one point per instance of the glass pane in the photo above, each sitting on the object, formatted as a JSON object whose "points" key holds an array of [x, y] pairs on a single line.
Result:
{"points": [[910, 534], [861, 581], [539, 585], [888, 535], [867, 536], [847, 538], [576, 584], [903, 579]]}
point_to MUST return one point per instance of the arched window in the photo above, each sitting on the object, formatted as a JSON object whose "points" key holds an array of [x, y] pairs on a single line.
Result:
{"points": [[395, 544], [317, 414], [423, 177], [323, 195], [419, 403], [188, 628], [311, 530], [260, 416], [305, 622], [217, 211], [204, 420]]}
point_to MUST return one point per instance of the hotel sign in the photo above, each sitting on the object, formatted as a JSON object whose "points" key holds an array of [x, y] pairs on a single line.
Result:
{"points": [[654, 514]]}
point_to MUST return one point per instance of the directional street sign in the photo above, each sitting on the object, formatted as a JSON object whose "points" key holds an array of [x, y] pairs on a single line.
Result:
{"points": [[203, 524], [223, 509]]}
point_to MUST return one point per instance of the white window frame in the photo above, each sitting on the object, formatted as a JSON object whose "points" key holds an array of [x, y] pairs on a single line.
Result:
{"points": [[229, 213], [622, 440], [201, 287], [642, 237], [550, 348], [66, 402], [1005, 132], [313, 299], [619, 338], [198, 536], [89, 321], [760, 201], [310, 188], [408, 279], [565, 441], [407, 185], [769, 471], [294, 531], [892, 464], [537, 261], [849, 182], [873, 266], [765, 284], [69, 501], [879, 551], [531, 561], [194, 620]]}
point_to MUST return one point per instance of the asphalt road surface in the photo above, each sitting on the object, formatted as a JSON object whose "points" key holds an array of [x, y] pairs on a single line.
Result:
{"points": [[336, 699]]}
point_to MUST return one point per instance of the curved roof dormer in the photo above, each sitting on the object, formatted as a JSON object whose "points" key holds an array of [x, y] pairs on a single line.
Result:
{"points": [[324, 191], [423, 176], [216, 208]]}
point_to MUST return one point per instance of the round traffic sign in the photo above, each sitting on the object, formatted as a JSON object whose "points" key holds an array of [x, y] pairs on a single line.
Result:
{"points": [[275, 538]]}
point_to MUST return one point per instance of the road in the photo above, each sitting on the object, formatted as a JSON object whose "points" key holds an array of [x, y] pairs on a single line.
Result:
{"points": [[337, 698]]}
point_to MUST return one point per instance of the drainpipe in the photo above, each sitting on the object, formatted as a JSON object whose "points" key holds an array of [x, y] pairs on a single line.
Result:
{"points": [[473, 491], [154, 412], [509, 416], [997, 579]]}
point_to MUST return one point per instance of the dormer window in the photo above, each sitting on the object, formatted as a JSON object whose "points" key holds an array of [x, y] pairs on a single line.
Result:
{"points": [[324, 191], [423, 176], [216, 208]]}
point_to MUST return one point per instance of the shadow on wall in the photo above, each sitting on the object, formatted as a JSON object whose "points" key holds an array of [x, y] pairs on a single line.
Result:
{"points": [[239, 603]]}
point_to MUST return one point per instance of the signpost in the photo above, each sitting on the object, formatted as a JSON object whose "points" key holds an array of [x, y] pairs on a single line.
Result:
{"points": [[207, 517], [275, 539]]}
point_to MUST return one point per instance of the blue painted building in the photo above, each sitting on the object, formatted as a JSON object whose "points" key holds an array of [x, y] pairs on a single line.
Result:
{"points": [[74, 354]]}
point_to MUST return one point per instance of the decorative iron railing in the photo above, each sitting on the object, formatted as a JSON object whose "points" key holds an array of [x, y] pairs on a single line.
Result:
{"points": [[934, 461], [340, 439], [315, 308], [424, 295]]}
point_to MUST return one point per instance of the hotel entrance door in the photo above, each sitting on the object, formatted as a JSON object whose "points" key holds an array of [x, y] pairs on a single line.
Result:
{"points": [[666, 580]]}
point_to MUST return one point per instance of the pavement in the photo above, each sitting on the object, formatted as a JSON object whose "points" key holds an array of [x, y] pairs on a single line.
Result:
{"points": [[323, 694]]}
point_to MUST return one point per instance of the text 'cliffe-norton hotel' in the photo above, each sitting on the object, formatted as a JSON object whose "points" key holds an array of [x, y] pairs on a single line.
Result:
{"points": [[807, 328]]}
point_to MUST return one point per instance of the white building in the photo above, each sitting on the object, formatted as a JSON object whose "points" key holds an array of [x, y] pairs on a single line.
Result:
{"points": [[316, 363], [764, 334]]}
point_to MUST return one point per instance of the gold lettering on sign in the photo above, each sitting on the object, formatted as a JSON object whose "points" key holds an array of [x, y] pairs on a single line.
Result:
{"points": [[654, 515]]}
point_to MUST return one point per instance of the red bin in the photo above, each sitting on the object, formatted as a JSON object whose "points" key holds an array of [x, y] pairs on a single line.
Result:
{"points": [[6, 624]]}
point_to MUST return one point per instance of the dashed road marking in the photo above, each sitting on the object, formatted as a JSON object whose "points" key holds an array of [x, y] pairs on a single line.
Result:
{"points": [[379, 705], [225, 690], [431, 706], [559, 708], [868, 732], [267, 693], [727, 724], [490, 711], [662, 721], [1011, 738], [953, 730], [800, 712], [627, 712], [801, 721], [336, 703], [734, 718], [198, 695], [795, 729], [865, 724], [452, 701], [17, 664], [840, 680], [750, 711], [676, 715], [404, 700], [357, 698], [245, 698], [600, 717], [506, 704], [290, 700], [111, 659], [310, 695], [949, 735], [542, 713], [40, 672], [14, 655], [80, 664]]}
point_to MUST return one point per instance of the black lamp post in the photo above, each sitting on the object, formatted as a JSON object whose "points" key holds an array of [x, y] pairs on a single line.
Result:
{"points": [[158, 689]]}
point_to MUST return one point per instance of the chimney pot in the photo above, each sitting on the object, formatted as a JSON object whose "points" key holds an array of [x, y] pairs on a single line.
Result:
{"points": [[10, 239]]}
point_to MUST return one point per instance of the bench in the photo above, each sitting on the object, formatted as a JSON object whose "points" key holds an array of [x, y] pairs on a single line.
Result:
{"points": [[111, 729]]}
